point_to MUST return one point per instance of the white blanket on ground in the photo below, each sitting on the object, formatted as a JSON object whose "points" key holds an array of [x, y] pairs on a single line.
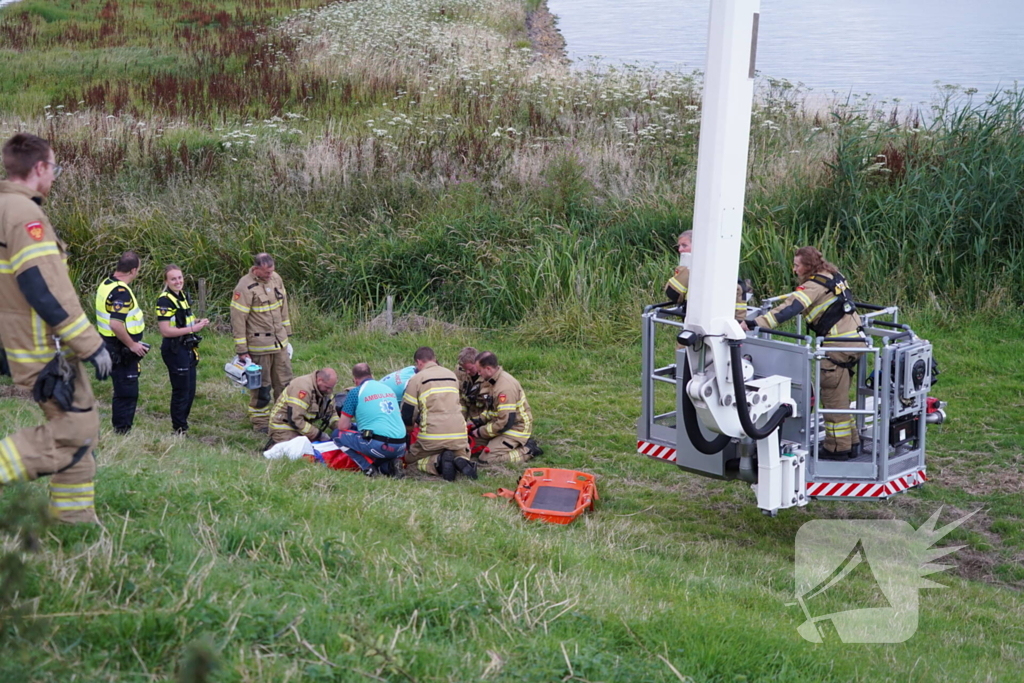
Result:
{"points": [[298, 447], [292, 449]]}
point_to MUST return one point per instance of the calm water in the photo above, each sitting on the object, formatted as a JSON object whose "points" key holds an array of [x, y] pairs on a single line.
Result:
{"points": [[888, 48]]}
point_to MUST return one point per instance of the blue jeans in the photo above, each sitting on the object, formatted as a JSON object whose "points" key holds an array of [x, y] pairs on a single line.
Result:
{"points": [[365, 452]]}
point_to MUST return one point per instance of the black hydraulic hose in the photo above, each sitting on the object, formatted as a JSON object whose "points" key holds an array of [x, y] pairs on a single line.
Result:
{"points": [[781, 413], [690, 421]]}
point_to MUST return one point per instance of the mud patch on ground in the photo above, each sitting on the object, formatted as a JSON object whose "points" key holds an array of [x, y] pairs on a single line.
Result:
{"points": [[964, 473], [13, 391]]}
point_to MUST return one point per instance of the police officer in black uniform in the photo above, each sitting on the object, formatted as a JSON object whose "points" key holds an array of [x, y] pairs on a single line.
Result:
{"points": [[119, 321], [180, 348]]}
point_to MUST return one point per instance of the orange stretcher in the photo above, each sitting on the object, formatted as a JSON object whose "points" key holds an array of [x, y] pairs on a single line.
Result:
{"points": [[552, 495]]}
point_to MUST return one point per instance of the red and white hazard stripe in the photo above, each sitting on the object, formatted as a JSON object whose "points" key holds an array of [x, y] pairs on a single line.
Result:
{"points": [[656, 451], [843, 489]]}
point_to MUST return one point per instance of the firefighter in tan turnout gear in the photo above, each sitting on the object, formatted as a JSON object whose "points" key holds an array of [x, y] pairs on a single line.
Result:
{"points": [[46, 336], [506, 423], [468, 374], [678, 286], [260, 326], [431, 400], [306, 408], [825, 301]]}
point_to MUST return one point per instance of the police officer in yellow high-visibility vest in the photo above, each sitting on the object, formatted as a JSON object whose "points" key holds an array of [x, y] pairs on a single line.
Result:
{"points": [[46, 336], [119, 321]]}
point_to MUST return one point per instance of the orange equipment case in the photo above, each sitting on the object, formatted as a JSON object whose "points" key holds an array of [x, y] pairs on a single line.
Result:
{"points": [[554, 495]]}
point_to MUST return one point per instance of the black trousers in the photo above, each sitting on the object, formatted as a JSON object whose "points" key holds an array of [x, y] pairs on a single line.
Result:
{"points": [[181, 366], [125, 376]]}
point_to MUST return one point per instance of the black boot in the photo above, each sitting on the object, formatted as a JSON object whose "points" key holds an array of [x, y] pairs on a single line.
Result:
{"points": [[466, 467], [533, 448], [447, 465], [825, 454]]}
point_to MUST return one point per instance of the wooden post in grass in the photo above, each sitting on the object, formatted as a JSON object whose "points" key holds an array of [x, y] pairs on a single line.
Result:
{"points": [[201, 298], [389, 314]]}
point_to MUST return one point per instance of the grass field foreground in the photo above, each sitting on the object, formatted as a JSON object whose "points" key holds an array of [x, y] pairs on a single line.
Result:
{"points": [[288, 571]]}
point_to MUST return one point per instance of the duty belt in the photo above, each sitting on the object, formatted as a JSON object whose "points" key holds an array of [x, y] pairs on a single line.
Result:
{"points": [[370, 436]]}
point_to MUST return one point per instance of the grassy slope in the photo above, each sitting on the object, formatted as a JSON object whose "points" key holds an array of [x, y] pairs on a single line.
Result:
{"points": [[293, 572]]}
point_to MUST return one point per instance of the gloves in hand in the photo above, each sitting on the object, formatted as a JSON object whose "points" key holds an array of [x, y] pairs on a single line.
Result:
{"points": [[102, 362]]}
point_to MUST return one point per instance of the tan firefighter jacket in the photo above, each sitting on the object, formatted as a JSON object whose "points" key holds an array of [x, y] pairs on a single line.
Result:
{"points": [[259, 315], [507, 410], [431, 400], [33, 264], [302, 409]]}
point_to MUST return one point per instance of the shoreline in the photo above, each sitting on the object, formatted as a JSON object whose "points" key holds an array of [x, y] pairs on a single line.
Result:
{"points": [[547, 41]]}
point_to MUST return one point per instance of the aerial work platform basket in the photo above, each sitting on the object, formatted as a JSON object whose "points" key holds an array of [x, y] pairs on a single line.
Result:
{"points": [[891, 407]]}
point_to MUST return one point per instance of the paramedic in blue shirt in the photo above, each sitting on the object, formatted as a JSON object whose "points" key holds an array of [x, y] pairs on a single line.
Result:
{"points": [[377, 411], [399, 380]]}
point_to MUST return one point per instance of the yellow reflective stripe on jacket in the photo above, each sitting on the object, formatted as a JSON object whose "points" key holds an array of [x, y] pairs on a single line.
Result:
{"points": [[265, 308], [33, 251], [12, 469], [31, 355], [240, 307], [296, 402], [74, 328], [38, 331], [820, 308], [678, 286], [517, 433], [286, 323], [239, 340], [770, 319], [438, 390], [803, 298], [263, 349], [440, 437]]}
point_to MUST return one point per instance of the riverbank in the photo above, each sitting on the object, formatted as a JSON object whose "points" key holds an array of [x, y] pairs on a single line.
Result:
{"points": [[548, 42]]}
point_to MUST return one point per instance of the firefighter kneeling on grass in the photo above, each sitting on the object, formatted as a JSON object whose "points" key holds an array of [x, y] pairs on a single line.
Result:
{"points": [[432, 401], [506, 423], [305, 408]]}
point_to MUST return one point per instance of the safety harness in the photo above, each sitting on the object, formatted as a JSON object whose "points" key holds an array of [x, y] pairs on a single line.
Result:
{"points": [[842, 305]]}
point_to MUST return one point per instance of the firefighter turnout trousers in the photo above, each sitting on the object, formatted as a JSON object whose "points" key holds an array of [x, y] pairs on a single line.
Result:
{"points": [[505, 449], [840, 428], [277, 372], [427, 456], [61, 448]]}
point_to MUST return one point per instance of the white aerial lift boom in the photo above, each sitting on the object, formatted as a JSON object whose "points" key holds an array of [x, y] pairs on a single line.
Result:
{"points": [[747, 399]]}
